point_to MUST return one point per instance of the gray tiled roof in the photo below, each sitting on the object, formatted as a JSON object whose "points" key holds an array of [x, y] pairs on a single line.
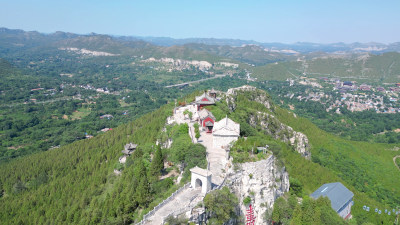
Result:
{"points": [[226, 127], [204, 113], [199, 99], [209, 124], [336, 192]]}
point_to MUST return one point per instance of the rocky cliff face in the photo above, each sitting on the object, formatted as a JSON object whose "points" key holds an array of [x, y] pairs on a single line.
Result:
{"points": [[272, 126], [254, 94], [266, 121], [263, 181]]}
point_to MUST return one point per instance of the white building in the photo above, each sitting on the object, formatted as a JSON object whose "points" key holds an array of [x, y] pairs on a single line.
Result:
{"points": [[225, 132], [201, 178]]}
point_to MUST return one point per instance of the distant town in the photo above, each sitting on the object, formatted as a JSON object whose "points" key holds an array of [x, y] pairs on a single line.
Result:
{"points": [[335, 94]]}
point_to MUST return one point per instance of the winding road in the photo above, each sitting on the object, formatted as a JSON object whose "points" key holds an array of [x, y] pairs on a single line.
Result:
{"points": [[196, 81], [39, 102]]}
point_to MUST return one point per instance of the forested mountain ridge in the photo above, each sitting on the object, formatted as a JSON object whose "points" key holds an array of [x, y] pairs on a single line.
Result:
{"points": [[366, 169], [62, 184], [361, 67], [18, 43], [251, 54], [269, 63], [76, 183], [300, 47]]}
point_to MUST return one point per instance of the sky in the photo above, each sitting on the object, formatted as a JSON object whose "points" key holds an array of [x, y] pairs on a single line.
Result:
{"points": [[285, 21]]}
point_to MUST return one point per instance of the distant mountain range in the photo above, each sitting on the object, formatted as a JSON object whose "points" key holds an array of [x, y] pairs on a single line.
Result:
{"points": [[295, 48], [300, 47], [265, 61]]}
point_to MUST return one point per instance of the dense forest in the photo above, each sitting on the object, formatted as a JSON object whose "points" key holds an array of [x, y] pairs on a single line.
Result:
{"points": [[76, 183]]}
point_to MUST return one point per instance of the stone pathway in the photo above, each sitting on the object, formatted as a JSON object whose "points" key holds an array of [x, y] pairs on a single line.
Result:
{"points": [[180, 201], [215, 157], [189, 197]]}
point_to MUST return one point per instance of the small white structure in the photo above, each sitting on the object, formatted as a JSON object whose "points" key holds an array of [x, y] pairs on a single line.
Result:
{"points": [[201, 178], [225, 131]]}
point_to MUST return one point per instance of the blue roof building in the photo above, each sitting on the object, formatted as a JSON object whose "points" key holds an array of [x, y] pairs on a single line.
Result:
{"points": [[341, 197]]}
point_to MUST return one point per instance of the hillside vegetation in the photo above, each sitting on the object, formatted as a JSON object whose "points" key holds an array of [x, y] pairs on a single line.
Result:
{"points": [[250, 54], [366, 169], [44, 92], [76, 184], [361, 67]]}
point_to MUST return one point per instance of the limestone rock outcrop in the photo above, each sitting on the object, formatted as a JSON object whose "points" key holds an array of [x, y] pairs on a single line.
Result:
{"points": [[264, 181], [256, 95], [272, 126], [268, 122]]}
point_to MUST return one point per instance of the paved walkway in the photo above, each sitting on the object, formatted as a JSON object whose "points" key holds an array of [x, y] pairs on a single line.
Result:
{"points": [[215, 158], [187, 197]]}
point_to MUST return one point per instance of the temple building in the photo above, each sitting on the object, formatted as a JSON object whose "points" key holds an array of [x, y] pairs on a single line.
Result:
{"points": [[225, 132], [204, 100], [207, 120]]}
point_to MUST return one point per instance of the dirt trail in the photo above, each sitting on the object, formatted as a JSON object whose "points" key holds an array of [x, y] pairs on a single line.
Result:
{"points": [[394, 161]]}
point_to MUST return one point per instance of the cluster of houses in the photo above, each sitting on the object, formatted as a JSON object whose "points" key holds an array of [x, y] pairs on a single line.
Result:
{"points": [[349, 94]]}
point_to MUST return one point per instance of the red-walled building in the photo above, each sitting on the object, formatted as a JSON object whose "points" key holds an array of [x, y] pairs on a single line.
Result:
{"points": [[204, 100], [207, 120]]}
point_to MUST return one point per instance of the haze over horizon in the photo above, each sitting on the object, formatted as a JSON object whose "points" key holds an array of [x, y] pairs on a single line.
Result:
{"points": [[288, 22]]}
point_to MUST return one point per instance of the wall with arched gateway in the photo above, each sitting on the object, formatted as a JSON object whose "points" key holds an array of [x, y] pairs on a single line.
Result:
{"points": [[204, 176]]}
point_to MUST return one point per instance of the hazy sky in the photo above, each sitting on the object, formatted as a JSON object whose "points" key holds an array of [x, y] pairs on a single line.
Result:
{"points": [[266, 21]]}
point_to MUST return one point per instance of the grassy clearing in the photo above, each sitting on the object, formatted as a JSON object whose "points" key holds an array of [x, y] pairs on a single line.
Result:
{"points": [[80, 113], [124, 104]]}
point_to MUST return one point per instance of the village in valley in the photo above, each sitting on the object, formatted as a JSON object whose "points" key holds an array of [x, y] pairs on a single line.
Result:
{"points": [[335, 93]]}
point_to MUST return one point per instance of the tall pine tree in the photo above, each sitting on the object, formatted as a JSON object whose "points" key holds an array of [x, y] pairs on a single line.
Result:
{"points": [[142, 194], [157, 164]]}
